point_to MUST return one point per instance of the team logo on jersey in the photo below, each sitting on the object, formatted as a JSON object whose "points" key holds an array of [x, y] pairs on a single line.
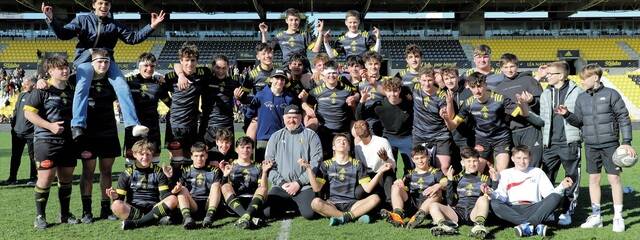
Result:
{"points": [[353, 45], [420, 183], [485, 112], [291, 42], [200, 180], [341, 174], [144, 88]]}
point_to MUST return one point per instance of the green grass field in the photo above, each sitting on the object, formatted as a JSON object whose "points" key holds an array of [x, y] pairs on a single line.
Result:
{"points": [[17, 213]]}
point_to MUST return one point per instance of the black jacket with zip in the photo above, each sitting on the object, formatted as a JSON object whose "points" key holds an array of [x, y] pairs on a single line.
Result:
{"points": [[601, 115]]}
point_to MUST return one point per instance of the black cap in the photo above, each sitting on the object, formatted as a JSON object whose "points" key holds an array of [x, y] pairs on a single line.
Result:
{"points": [[292, 109], [279, 73]]}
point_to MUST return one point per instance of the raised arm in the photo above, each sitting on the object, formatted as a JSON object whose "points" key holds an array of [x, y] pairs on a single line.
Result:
{"points": [[66, 32]]}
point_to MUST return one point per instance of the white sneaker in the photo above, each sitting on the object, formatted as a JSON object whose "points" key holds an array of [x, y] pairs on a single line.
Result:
{"points": [[593, 221], [564, 219], [618, 225], [139, 131]]}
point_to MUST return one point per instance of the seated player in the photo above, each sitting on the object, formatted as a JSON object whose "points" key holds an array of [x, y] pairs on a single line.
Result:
{"points": [[419, 189], [467, 199], [343, 174], [525, 196], [201, 193], [245, 179], [223, 152], [142, 196], [50, 112]]}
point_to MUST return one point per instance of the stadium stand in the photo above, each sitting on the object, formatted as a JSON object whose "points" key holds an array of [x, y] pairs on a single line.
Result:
{"points": [[25, 50], [545, 49]]}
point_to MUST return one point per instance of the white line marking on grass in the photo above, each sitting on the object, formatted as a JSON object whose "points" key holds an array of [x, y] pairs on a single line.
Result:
{"points": [[284, 230]]}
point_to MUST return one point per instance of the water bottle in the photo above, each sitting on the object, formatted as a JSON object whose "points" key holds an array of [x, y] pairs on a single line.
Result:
{"points": [[627, 190]]}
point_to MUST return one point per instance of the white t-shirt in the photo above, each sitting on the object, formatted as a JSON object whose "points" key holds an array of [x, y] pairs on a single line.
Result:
{"points": [[368, 153], [529, 187]]}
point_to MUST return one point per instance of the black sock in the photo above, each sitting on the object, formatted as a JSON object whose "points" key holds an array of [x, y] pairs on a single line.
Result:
{"points": [[158, 211], [105, 206], [86, 204], [64, 195], [41, 196], [347, 216], [256, 202], [234, 203]]}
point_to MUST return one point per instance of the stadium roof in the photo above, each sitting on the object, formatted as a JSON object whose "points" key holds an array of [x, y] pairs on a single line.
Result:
{"points": [[556, 8]]}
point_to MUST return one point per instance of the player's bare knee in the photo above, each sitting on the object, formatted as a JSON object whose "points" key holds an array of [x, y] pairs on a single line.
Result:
{"points": [[316, 204]]}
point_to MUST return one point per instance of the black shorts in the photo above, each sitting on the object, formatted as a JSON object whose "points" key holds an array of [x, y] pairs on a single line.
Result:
{"points": [[443, 147], [202, 209], [413, 203], [597, 157], [344, 206], [153, 136], [54, 153], [464, 214], [182, 139], [102, 147], [138, 210], [491, 148]]}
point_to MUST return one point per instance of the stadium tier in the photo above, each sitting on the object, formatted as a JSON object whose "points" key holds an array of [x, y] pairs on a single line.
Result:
{"points": [[546, 49], [234, 49], [24, 51], [442, 50]]}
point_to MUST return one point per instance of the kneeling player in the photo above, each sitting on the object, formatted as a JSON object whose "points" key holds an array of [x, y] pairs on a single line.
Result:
{"points": [[343, 174], [420, 188], [201, 194], [142, 196], [244, 178], [467, 200]]}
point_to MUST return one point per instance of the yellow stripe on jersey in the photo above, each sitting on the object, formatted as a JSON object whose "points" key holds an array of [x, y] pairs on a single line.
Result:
{"points": [[30, 109], [163, 187], [364, 180], [121, 191], [516, 112], [444, 181], [458, 119], [321, 181]]}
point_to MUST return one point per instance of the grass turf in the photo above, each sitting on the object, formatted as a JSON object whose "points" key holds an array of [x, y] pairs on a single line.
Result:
{"points": [[17, 213]]}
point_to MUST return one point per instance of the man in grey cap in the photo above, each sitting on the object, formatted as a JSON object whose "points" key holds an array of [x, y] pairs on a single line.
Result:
{"points": [[290, 182]]}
